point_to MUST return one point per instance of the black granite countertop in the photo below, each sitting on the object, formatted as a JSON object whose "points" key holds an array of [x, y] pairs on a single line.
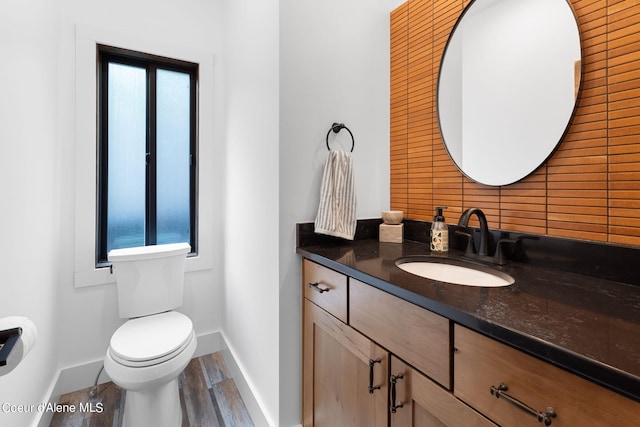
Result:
{"points": [[587, 325]]}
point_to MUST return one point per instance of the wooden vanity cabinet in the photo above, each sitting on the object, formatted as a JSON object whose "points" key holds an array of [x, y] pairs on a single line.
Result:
{"points": [[372, 359], [515, 389], [417, 401]]}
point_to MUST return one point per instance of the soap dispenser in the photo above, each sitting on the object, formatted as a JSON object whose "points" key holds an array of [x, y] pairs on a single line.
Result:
{"points": [[439, 241]]}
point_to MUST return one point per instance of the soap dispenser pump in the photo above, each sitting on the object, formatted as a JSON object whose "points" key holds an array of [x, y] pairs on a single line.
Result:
{"points": [[439, 238]]}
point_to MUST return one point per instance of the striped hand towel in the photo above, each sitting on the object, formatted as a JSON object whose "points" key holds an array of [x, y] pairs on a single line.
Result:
{"points": [[337, 210]]}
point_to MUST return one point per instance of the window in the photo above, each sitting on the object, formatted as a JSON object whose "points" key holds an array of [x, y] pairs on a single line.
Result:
{"points": [[147, 110]]}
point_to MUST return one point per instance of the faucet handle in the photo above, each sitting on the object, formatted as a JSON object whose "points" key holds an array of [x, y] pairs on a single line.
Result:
{"points": [[470, 244], [499, 256]]}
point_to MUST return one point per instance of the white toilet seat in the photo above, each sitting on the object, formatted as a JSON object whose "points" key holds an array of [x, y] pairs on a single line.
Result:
{"points": [[152, 392], [150, 340]]}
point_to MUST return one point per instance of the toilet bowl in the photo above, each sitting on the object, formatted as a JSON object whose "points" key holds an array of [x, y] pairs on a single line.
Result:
{"points": [[149, 351], [148, 366]]}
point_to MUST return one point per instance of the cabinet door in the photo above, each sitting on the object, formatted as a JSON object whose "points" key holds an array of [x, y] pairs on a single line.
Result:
{"points": [[415, 400], [339, 367]]}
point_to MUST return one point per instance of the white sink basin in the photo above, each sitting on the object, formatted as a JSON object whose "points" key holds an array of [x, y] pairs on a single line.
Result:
{"points": [[454, 271]]}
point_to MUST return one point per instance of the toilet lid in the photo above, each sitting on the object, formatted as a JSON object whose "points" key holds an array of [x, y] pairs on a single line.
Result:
{"points": [[151, 337]]}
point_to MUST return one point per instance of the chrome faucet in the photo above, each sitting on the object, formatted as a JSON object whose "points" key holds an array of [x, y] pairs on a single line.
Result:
{"points": [[463, 222]]}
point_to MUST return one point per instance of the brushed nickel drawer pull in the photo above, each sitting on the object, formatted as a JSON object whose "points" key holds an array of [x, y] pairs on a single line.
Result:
{"points": [[393, 379], [543, 417], [371, 386], [317, 288]]}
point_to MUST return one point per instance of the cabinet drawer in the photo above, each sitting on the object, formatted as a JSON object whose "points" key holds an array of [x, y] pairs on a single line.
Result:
{"points": [[326, 288], [415, 334], [482, 364]]}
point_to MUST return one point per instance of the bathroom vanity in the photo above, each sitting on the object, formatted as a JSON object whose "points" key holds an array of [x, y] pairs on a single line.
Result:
{"points": [[381, 345], [558, 346]]}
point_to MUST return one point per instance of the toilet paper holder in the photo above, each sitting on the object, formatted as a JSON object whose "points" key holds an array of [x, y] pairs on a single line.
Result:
{"points": [[8, 339]]}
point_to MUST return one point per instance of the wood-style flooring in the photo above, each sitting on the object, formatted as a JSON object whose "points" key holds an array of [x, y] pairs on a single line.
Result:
{"points": [[208, 395]]}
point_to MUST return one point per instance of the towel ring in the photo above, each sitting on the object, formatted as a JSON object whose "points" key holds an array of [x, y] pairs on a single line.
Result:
{"points": [[337, 127]]}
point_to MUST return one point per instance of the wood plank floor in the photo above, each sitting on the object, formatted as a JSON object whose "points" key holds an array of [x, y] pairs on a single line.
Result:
{"points": [[208, 395]]}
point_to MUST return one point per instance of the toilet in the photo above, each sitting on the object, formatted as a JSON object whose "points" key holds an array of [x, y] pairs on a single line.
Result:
{"points": [[150, 350]]}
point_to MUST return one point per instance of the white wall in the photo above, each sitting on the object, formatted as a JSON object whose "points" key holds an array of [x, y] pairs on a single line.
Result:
{"points": [[251, 200], [29, 194], [334, 67]]}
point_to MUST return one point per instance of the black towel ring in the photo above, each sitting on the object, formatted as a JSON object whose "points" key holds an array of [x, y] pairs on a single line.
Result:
{"points": [[337, 127]]}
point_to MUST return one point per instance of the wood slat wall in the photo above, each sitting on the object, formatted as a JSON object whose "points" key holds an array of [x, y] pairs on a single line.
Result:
{"points": [[398, 109], [590, 187]]}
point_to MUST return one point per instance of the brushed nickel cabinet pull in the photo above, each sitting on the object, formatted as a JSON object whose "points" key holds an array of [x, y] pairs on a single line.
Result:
{"points": [[543, 417], [394, 406], [317, 288], [371, 386]]}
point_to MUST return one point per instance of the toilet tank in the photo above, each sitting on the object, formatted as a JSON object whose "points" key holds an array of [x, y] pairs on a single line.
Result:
{"points": [[149, 279]]}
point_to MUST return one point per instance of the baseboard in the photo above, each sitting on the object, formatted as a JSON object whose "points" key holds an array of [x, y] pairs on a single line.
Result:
{"points": [[84, 375], [43, 419], [249, 399], [210, 343]]}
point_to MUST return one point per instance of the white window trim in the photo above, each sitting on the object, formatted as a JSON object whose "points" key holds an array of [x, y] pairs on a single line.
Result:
{"points": [[87, 39]]}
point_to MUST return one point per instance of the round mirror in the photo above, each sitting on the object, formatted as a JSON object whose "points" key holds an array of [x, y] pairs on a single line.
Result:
{"points": [[508, 85]]}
